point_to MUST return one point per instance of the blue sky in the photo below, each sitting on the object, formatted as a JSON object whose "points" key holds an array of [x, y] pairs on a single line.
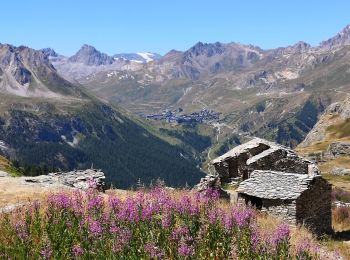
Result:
{"points": [[159, 26]]}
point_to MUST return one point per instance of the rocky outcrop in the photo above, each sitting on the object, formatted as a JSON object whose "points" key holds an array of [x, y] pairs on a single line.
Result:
{"points": [[337, 149], [340, 171], [3, 174], [333, 115], [80, 179], [341, 39]]}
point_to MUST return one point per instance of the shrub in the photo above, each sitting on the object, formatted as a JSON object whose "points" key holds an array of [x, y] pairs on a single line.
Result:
{"points": [[341, 214], [340, 195]]}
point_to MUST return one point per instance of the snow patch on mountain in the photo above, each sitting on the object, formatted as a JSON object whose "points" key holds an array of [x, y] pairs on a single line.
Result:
{"points": [[148, 56]]}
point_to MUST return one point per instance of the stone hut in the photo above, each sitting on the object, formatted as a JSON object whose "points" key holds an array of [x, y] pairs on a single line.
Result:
{"points": [[297, 198], [259, 154], [274, 179]]}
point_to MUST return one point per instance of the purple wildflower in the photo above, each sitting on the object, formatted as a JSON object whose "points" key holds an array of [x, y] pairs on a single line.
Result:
{"points": [[185, 250], [46, 252], [153, 250], [166, 220], [95, 201], [179, 232], [77, 251], [95, 228], [243, 217], [282, 233], [22, 230]]}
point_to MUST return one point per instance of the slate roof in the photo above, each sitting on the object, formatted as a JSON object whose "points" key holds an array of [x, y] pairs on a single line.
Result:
{"points": [[246, 147], [275, 185]]}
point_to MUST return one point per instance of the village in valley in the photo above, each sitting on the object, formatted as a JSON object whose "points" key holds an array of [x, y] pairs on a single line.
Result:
{"points": [[177, 116]]}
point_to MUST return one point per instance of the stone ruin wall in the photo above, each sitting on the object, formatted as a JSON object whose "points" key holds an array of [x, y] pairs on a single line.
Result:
{"points": [[280, 160], [285, 209], [314, 207], [282, 209]]}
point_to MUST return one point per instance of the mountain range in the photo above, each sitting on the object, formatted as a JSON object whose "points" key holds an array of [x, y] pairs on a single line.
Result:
{"points": [[49, 122], [292, 84], [70, 110]]}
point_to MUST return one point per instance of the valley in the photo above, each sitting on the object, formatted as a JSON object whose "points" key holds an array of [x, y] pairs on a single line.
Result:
{"points": [[198, 103]]}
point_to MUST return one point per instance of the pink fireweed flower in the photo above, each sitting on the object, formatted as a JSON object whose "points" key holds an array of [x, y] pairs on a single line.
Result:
{"points": [[22, 230], [60, 200], [179, 232], [46, 252], [227, 220], [153, 250], [114, 229], [77, 202], [185, 204], [114, 203], [146, 213], [255, 236], [213, 216], [36, 205], [307, 246], [77, 251], [282, 234], [123, 238], [95, 228], [95, 201], [243, 217], [210, 195], [185, 250], [166, 220]]}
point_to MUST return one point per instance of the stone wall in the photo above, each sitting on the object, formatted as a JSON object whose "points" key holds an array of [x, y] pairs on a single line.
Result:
{"points": [[314, 207], [279, 160], [256, 155], [285, 209]]}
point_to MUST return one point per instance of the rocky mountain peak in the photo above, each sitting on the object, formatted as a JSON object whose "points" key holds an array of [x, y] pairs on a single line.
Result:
{"points": [[342, 38], [89, 55], [205, 49], [301, 46], [48, 52]]}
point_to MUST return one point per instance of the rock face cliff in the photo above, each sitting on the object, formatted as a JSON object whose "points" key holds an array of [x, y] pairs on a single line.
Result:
{"points": [[337, 113], [329, 141]]}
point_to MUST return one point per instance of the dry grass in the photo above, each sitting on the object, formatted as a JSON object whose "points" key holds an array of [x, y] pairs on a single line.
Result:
{"points": [[338, 130], [342, 182], [341, 162], [13, 190]]}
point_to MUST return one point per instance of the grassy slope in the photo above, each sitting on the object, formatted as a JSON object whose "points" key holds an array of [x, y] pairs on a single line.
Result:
{"points": [[6, 166]]}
